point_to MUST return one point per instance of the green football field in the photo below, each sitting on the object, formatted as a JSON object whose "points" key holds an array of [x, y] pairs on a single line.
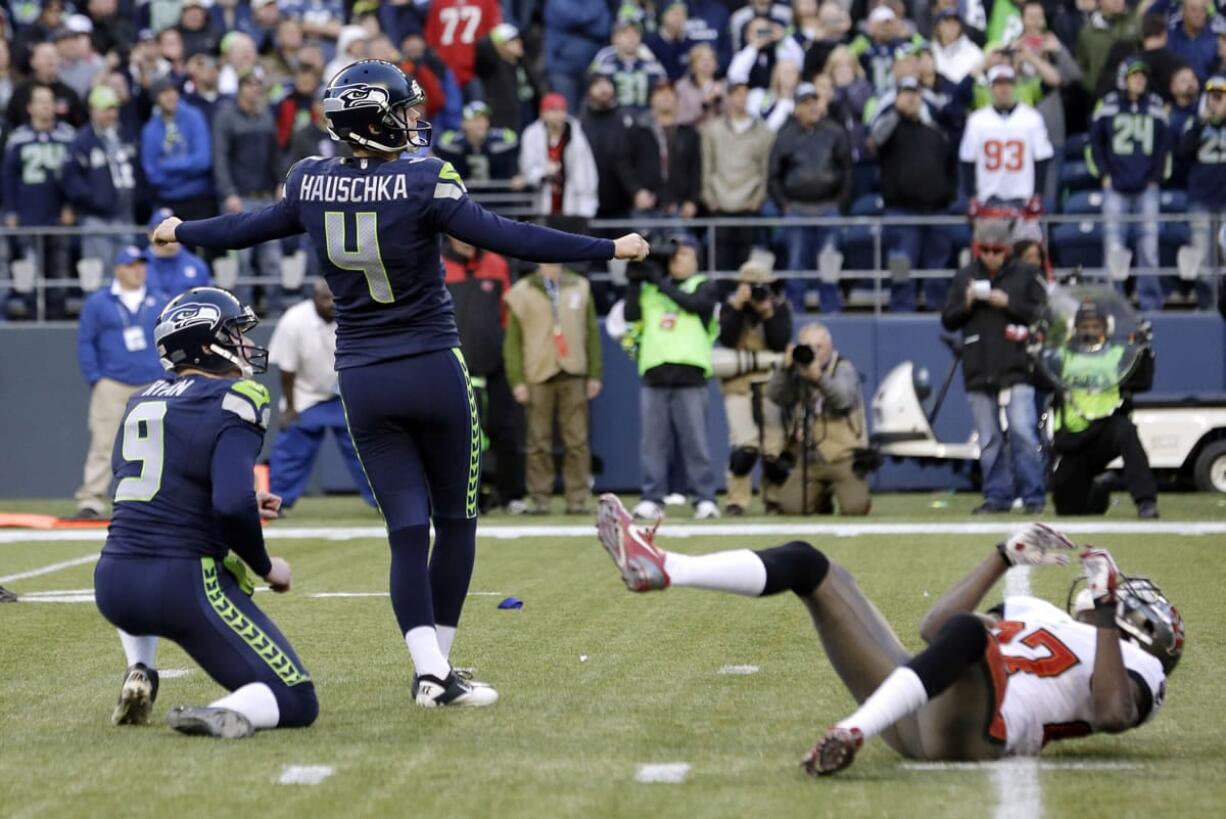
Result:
{"points": [[596, 683]]}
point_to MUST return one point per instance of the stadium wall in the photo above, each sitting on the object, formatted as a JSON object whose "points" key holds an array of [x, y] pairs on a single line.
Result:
{"points": [[43, 435]]}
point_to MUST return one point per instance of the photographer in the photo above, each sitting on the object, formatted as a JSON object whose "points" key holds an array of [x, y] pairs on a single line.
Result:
{"points": [[993, 301], [1092, 423], [676, 312], [823, 414], [754, 319]]}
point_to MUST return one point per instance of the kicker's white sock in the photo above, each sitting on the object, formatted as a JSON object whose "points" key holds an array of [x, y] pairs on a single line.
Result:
{"points": [[255, 701], [446, 636], [139, 649], [899, 694], [427, 656], [739, 571]]}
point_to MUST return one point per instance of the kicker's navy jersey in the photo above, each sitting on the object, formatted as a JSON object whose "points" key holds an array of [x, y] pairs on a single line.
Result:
{"points": [[167, 453], [377, 226]]}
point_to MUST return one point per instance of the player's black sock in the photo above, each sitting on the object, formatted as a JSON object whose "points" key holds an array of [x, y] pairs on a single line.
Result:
{"points": [[960, 642], [410, 578], [795, 566], [451, 567]]}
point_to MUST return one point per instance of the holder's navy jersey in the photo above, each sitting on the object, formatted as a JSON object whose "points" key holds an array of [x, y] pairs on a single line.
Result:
{"points": [[168, 452], [377, 226]]}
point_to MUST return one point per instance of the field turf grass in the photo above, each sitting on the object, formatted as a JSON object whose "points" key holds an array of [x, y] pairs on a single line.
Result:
{"points": [[569, 734]]}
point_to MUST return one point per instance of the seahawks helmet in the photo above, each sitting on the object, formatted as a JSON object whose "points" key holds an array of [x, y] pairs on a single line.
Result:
{"points": [[203, 328], [1144, 615], [365, 105]]}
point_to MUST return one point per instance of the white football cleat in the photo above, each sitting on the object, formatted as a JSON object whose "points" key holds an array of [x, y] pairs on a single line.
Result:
{"points": [[431, 692], [706, 510]]}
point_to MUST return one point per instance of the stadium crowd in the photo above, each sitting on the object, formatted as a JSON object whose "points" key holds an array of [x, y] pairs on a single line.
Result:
{"points": [[117, 108]]}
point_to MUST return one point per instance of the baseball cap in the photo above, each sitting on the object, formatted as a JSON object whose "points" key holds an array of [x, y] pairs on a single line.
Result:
{"points": [[160, 215], [1000, 73], [687, 239], [79, 24], [476, 108], [804, 91], [553, 101], [259, 4], [947, 14], [130, 254], [908, 84], [146, 35], [1216, 83], [204, 4], [103, 96], [162, 83], [882, 14], [629, 15], [503, 33], [993, 234], [1135, 64]]}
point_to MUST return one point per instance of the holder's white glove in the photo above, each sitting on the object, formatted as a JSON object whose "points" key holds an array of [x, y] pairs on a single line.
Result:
{"points": [[1036, 545], [1102, 575]]}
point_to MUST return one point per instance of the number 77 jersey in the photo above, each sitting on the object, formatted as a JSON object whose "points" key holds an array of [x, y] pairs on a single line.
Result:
{"points": [[1048, 659], [1005, 147]]}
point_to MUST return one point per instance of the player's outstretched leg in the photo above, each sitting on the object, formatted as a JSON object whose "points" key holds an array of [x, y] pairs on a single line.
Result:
{"points": [[140, 681]]}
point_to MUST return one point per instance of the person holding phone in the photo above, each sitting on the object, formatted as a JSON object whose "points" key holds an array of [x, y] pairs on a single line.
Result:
{"points": [[993, 301]]}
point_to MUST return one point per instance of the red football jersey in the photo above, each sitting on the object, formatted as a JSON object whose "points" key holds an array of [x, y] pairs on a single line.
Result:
{"points": [[453, 28]]}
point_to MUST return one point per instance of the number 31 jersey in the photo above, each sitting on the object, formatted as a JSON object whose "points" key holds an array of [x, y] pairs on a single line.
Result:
{"points": [[1049, 659], [1005, 148]]}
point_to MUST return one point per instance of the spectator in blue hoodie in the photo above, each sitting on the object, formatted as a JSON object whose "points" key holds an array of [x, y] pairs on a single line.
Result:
{"points": [[100, 176], [117, 356], [1193, 36], [669, 42], [1129, 148], [176, 153], [172, 268], [574, 32]]}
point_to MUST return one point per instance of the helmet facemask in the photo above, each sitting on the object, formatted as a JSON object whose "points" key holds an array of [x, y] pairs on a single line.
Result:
{"points": [[1144, 616], [233, 345]]}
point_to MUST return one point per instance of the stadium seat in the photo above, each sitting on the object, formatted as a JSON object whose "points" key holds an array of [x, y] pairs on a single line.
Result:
{"points": [[865, 179], [857, 247], [1078, 244], [1174, 201], [1075, 147], [1076, 176], [868, 205], [1171, 237], [1084, 202]]}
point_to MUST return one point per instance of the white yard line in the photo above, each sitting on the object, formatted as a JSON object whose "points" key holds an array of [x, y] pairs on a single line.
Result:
{"points": [[672, 773], [1042, 764], [679, 530], [51, 567], [305, 774]]}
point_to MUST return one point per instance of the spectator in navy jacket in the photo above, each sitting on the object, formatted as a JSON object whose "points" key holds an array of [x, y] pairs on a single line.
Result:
{"points": [[45, 70], [117, 356], [172, 268], [478, 152], [1129, 146], [176, 153], [574, 32], [100, 176], [670, 43], [1193, 36], [1203, 147]]}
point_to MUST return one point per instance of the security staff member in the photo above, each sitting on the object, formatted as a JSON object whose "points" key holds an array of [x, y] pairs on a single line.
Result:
{"points": [[675, 311], [753, 319], [1091, 421]]}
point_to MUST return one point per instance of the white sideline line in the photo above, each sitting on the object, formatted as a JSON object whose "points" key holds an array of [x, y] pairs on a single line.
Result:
{"points": [[672, 773], [1042, 764], [304, 774], [501, 532], [53, 567], [57, 598]]}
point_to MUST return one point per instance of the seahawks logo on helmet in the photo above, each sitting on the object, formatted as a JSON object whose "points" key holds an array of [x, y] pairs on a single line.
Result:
{"points": [[357, 96], [187, 315]]}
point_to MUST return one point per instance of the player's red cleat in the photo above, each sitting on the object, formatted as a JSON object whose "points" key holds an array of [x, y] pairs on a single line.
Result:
{"points": [[833, 752], [639, 561]]}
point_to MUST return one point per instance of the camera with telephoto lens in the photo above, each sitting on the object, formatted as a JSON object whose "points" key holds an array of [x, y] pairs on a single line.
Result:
{"points": [[660, 252], [759, 293], [803, 355]]}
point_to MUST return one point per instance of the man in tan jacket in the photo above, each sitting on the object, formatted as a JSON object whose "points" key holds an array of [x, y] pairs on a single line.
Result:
{"points": [[553, 363], [823, 388]]}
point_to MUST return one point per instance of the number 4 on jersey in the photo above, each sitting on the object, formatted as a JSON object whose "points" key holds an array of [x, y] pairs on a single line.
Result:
{"points": [[365, 256]]}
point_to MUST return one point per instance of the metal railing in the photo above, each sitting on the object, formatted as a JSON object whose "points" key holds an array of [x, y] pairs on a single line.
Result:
{"points": [[24, 275]]}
